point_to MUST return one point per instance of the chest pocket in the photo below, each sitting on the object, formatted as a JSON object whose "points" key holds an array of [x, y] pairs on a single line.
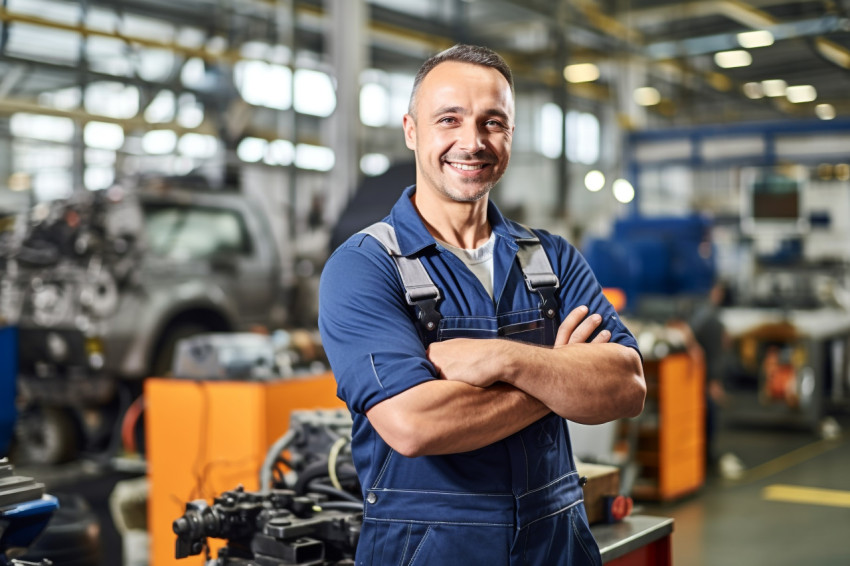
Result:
{"points": [[420, 291]]}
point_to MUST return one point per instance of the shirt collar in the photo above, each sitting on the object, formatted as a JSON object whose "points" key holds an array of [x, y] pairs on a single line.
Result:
{"points": [[413, 236]]}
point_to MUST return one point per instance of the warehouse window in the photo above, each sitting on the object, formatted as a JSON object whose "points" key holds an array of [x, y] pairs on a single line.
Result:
{"points": [[314, 93], [36, 126], [582, 137], [374, 105], [583, 134], [162, 108], [112, 99], [264, 84]]}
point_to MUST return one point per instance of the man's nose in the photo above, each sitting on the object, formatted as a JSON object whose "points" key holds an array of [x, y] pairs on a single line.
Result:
{"points": [[471, 139]]}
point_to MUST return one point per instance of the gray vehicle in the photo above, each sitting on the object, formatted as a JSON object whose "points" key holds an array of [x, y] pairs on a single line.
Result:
{"points": [[102, 289]]}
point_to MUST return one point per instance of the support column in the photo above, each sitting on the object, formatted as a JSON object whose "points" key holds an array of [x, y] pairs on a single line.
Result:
{"points": [[347, 43]]}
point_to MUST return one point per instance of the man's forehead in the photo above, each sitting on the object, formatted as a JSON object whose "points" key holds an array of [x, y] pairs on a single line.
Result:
{"points": [[452, 76]]}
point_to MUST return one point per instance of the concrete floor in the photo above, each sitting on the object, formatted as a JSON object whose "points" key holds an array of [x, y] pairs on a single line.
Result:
{"points": [[740, 522]]}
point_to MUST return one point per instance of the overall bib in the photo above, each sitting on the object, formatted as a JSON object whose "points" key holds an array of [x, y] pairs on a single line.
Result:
{"points": [[515, 502]]}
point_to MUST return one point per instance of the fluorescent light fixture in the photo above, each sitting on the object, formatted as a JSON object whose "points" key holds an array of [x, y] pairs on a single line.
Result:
{"points": [[581, 73], [753, 90], [801, 93], [624, 192], [774, 87], [647, 96], [825, 111], [754, 39], [374, 164], [594, 181], [733, 59]]}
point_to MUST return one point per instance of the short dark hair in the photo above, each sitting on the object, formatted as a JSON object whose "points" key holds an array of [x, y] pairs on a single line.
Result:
{"points": [[473, 54]]}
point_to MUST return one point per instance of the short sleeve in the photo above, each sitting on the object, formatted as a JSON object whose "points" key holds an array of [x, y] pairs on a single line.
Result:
{"points": [[367, 327]]}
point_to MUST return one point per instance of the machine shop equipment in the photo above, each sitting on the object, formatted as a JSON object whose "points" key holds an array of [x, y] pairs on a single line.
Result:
{"points": [[308, 516]]}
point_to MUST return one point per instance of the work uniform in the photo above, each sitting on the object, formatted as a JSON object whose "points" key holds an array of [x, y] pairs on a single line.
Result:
{"points": [[517, 501]]}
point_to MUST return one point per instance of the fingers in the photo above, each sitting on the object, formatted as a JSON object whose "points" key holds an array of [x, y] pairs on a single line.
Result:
{"points": [[576, 328], [586, 329], [569, 325]]}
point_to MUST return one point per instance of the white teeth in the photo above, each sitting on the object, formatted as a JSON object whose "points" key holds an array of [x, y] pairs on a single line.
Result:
{"points": [[463, 167]]}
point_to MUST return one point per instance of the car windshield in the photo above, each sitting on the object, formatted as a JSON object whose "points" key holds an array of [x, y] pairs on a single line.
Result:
{"points": [[189, 232]]}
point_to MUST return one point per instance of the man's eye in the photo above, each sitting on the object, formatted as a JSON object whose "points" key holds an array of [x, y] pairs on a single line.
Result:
{"points": [[447, 120]]}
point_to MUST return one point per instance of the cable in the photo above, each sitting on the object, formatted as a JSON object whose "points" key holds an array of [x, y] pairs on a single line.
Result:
{"points": [[319, 487], [332, 458], [271, 458]]}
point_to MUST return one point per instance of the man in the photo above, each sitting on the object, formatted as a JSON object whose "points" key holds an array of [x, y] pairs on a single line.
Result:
{"points": [[460, 442]]}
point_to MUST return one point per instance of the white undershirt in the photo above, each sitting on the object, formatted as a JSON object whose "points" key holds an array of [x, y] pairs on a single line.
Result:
{"points": [[479, 261]]}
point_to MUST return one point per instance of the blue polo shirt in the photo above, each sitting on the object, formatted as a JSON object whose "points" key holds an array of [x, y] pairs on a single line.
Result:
{"points": [[371, 334]]}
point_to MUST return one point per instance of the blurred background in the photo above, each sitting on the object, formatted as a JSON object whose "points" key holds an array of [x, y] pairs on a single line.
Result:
{"points": [[173, 176]]}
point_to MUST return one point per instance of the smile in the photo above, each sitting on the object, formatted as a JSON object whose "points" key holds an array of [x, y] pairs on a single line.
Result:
{"points": [[465, 167]]}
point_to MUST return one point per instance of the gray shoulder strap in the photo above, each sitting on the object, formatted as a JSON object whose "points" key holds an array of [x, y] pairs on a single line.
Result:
{"points": [[535, 265], [417, 283]]}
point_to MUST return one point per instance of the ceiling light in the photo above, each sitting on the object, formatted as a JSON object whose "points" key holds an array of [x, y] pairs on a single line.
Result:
{"points": [[774, 87], [753, 39], [647, 96], [753, 91], [581, 73], [623, 191], [842, 172], [801, 93], [594, 181], [733, 59], [825, 111]]}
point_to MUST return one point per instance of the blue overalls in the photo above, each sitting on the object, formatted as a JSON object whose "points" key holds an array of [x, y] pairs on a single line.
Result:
{"points": [[517, 501]]}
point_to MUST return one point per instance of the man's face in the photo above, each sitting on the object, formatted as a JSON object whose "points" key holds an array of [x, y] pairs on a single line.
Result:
{"points": [[461, 130]]}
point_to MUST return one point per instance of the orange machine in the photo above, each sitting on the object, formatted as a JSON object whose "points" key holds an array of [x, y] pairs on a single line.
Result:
{"points": [[206, 437], [671, 447]]}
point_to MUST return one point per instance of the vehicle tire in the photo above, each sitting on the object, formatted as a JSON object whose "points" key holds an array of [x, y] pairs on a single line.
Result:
{"points": [[45, 436], [164, 356], [71, 538]]}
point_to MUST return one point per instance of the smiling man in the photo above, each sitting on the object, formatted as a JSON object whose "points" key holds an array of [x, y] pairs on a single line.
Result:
{"points": [[460, 342]]}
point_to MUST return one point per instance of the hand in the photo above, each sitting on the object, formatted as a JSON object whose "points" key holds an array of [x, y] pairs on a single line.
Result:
{"points": [[467, 359], [576, 328]]}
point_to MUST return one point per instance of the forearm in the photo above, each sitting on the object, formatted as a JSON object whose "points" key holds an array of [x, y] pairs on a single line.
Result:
{"points": [[585, 383], [447, 417]]}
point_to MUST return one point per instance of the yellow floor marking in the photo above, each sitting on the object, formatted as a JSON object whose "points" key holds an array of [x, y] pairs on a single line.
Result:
{"points": [[809, 495], [788, 460]]}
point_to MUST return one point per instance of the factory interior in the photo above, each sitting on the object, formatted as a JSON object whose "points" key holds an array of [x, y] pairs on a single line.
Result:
{"points": [[174, 177]]}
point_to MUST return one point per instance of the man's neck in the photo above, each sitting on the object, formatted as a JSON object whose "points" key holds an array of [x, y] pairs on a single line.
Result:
{"points": [[460, 224]]}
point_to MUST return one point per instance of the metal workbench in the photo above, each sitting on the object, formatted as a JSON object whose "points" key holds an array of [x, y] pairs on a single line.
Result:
{"points": [[638, 540]]}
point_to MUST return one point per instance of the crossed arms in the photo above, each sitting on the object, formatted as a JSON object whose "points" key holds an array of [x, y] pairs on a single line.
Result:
{"points": [[491, 389]]}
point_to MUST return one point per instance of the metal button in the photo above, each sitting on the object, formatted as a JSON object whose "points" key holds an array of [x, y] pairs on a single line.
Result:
{"points": [[371, 498], [430, 326], [550, 313]]}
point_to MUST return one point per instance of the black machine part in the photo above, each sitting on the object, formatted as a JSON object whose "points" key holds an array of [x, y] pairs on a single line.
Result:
{"points": [[17, 489], [269, 529]]}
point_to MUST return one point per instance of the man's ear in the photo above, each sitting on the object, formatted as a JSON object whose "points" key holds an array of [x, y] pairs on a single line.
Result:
{"points": [[409, 126]]}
